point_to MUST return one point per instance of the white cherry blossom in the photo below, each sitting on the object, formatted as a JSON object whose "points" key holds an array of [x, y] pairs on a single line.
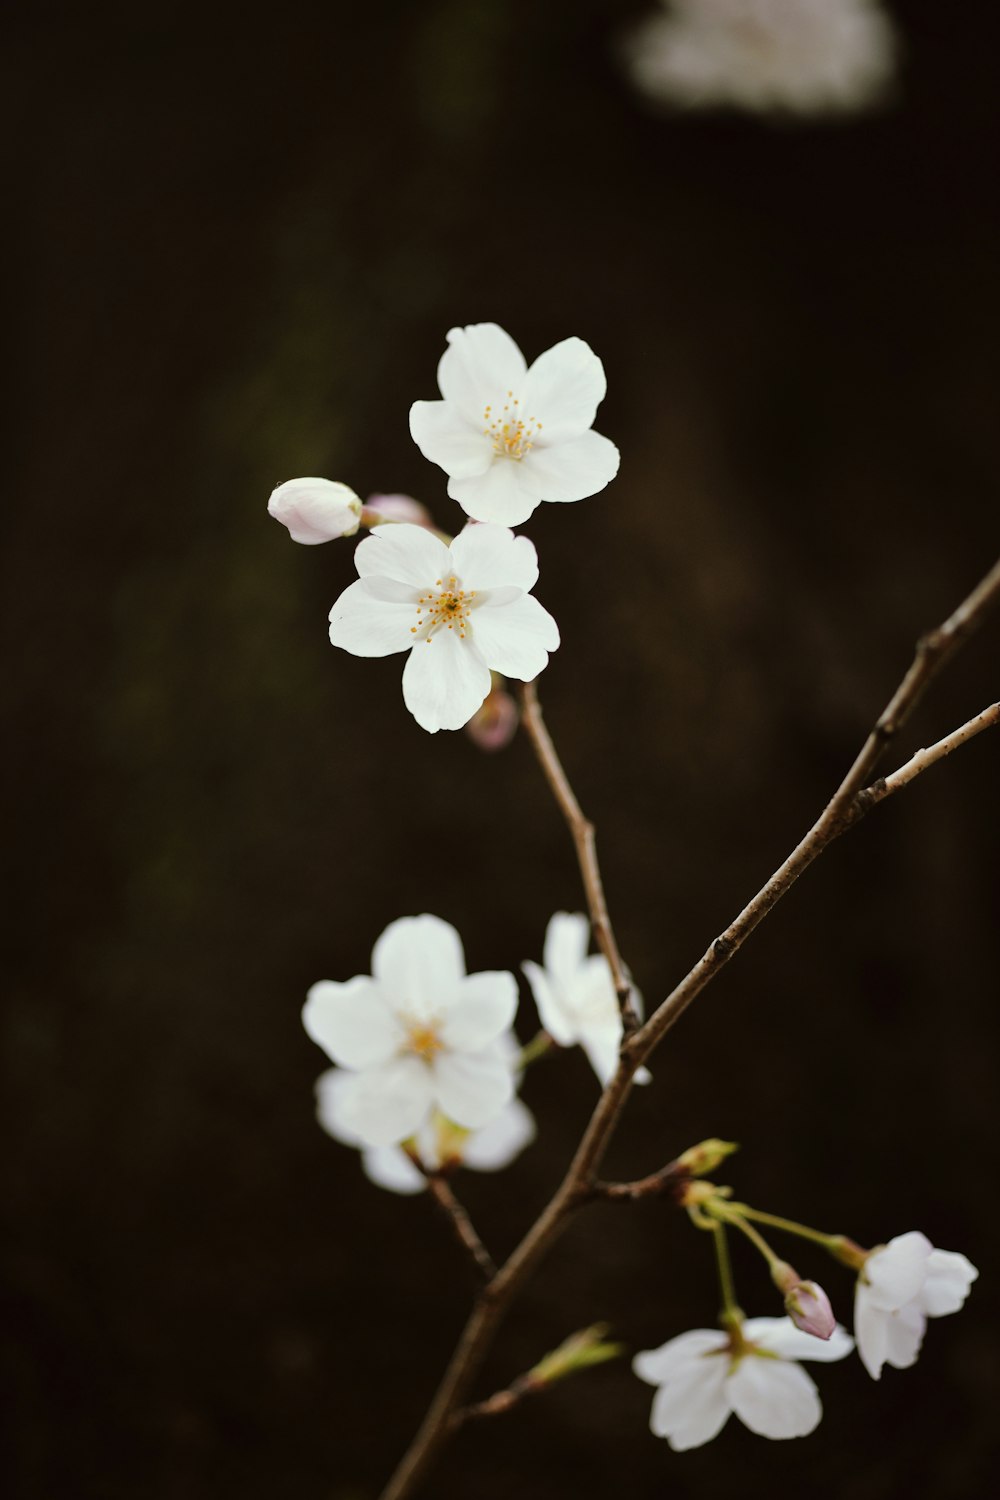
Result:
{"points": [[706, 1374], [419, 1036], [900, 1286], [575, 995], [805, 56], [315, 510], [508, 436], [488, 1149], [459, 610]]}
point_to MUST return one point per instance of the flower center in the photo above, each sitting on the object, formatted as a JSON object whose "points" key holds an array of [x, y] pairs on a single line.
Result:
{"points": [[446, 605], [511, 433], [422, 1040]]}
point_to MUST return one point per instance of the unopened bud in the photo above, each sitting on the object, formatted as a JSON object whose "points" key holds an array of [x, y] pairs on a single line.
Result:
{"points": [[699, 1160], [809, 1308], [493, 726], [588, 1347], [315, 510], [379, 508]]}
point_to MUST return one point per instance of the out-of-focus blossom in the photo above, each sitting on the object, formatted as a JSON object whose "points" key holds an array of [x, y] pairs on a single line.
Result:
{"points": [[706, 1374], [509, 437], [315, 510], [437, 1142], [420, 1036], [575, 995], [460, 611], [397, 508], [494, 725], [900, 1286], [805, 56]]}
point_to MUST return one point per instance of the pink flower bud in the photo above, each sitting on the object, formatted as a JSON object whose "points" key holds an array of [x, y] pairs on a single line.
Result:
{"points": [[494, 724], [315, 510], [809, 1308], [397, 508]]}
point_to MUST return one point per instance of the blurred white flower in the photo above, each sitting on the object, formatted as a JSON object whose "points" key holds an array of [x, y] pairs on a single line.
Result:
{"points": [[488, 1149], [807, 56], [509, 437], [900, 1286], [706, 1374], [315, 510], [420, 1035], [463, 610], [575, 995]]}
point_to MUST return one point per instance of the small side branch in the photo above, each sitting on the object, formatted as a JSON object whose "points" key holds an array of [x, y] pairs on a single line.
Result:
{"points": [[584, 840], [666, 1180], [499, 1402], [924, 759], [462, 1225]]}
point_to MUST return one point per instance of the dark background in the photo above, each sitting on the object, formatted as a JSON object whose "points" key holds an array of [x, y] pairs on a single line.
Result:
{"points": [[240, 245]]}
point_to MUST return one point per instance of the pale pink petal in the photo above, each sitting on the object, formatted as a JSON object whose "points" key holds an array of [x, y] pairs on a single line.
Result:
{"points": [[444, 681], [471, 1088], [904, 1335], [366, 626], [443, 435], [658, 1365], [774, 1397], [896, 1272], [419, 963], [481, 364], [495, 1144], [780, 1336], [949, 1279], [405, 553], [385, 1105], [489, 557], [353, 1022], [566, 939], [570, 470], [483, 1006], [871, 1330], [496, 496], [552, 1011], [564, 388], [515, 638], [693, 1406]]}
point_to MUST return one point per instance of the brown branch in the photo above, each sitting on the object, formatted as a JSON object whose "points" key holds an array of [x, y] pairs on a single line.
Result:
{"points": [[657, 1183], [848, 804], [462, 1225], [584, 840], [924, 759], [499, 1402]]}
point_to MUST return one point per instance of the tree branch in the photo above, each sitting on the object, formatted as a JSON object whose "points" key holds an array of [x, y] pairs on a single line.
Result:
{"points": [[460, 1222]]}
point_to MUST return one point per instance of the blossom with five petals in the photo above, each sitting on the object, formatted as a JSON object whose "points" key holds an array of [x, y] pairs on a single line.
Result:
{"points": [[706, 1374], [420, 1035], [488, 1149], [575, 995], [459, 610], [901, 1285], [508, 436]]}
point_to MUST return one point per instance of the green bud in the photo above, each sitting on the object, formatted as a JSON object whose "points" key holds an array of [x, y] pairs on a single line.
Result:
{"points": [[588, 1347], [699, 1160]]}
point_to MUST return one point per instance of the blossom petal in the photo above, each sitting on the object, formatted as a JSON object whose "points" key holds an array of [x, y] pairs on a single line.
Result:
{"points": [[659, 1365], [602, 1044], [390, 1167], [487, 557], [444, 681], [780, 1336], [871, 1331], [385, 1105], [564, 388], [552, 1012], [419, 963], [353, 1022], [896, 1272], [949, 1278], [515, 638], [405, 553], [481, 364], [566, 940], [366, 626], [472, 1088], [329, 1100], [497, 495], [693, 1406], [484, 1006], [774, 1397], [458, 446], [904, 1335], [495, 1144], [571, 470]]}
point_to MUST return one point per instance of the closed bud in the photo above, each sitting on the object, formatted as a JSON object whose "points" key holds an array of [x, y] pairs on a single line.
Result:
{"points": [[809, 1308], [494, 725], [315, 510], [699, 1160], [580, 1350], [380, 508]]}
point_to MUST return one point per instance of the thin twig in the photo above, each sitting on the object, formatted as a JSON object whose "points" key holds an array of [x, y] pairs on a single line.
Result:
{"points": [[655, 1185], [499, 1402], [465, 1233], [924, 759], [584, 840], [844, 809]]}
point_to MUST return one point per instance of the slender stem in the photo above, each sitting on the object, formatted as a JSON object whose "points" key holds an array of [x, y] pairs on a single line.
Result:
{"points": [[730, 1307], [644, 1187], [788, 1225], [844, 809], [584, 840], [541, 1045], [460, 1222], [924, 759], [757, 1240]]}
